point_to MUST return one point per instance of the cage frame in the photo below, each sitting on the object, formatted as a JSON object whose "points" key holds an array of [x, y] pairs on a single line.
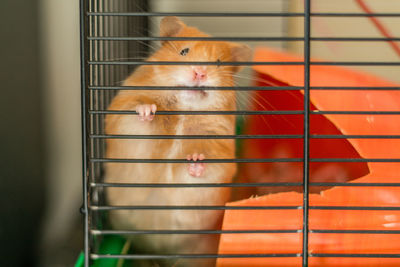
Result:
{"points": [[86, 87]]}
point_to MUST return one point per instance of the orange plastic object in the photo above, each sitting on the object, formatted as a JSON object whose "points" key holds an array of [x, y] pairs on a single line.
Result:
{"points": [[345, 196]]}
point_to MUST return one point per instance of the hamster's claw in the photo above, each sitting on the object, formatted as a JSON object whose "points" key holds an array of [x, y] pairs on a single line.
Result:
{"points": [[196, 169], [146, 112]]}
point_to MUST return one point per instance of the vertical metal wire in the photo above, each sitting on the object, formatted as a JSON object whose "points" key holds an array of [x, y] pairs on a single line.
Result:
{"points": [[108, 52], [100, 79], [306, 156], [94, 120], [84, 101]]}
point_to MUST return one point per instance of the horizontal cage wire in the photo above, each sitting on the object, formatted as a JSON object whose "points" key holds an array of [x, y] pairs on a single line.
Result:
{"points": [[117, 37]]}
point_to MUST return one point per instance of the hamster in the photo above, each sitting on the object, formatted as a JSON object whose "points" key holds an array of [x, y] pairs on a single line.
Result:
{"points": [[147, 122]]}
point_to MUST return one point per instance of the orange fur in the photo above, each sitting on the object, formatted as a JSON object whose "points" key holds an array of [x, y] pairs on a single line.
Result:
{"points": [[167, 75]]}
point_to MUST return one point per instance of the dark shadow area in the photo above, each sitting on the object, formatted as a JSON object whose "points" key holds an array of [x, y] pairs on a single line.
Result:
{"points": [[22, 187]]}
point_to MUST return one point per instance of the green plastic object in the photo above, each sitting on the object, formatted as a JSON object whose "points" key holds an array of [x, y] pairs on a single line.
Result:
{"points": [[80, 261], [112, 245], [239, 131]]}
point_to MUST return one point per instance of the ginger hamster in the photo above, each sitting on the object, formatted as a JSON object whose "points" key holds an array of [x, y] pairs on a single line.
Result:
{"points": [[147, 122]]}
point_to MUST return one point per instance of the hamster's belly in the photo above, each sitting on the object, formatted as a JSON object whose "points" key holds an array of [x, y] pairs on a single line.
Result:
{"points": [[171, 219], [158, 219]]}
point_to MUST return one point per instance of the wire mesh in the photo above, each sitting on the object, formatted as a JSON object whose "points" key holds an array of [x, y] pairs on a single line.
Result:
{"points": [[114, 32]]}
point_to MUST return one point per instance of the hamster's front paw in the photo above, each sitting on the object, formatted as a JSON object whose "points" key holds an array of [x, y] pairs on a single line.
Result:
{"points": [[196, 169], [146, 112]]}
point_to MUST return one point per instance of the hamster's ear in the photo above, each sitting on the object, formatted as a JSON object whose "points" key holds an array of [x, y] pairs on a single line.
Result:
{"points": [[170, 26], [240, 52]]}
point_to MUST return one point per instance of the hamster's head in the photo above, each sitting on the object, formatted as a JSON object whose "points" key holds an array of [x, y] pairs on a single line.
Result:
{"points": [[197, 76]]}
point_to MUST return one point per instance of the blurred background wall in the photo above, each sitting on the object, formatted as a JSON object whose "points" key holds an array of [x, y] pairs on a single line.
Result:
{"points": [[350, 27], [59, 46]]}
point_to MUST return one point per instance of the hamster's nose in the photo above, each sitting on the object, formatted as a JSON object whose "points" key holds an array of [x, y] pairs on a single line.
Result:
{"points": [[199, 74]]}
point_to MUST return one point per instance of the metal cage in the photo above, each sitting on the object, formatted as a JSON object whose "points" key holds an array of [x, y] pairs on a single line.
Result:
{"points": [[114, 32]]}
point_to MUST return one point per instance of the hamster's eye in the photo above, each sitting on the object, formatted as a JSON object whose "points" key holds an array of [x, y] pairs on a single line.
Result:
{"points": [[184, 52]]}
